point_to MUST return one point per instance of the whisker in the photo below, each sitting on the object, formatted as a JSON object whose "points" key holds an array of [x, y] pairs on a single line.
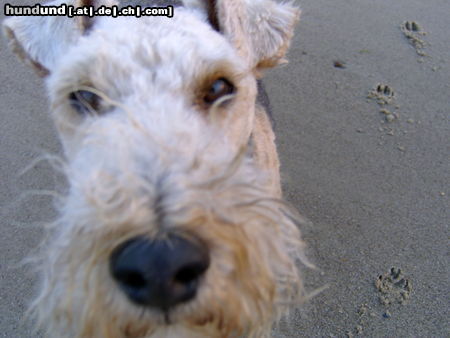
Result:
{"points": [[55, 161]]}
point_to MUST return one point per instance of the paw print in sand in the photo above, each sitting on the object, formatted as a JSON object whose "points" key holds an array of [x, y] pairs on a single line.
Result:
{"points": [[413, 32], [394, 287], [411, 26], [382, 93]]}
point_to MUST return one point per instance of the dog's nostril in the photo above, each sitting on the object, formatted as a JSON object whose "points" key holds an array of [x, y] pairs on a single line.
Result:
{"points": [[190, 273], [131, 279], [159, 273]]}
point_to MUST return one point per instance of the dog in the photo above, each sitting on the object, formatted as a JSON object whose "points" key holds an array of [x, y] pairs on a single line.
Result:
{"points": [[173, 224]]}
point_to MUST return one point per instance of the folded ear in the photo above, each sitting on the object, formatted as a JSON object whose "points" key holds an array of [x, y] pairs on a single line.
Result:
{"points": [[41, 40], [261, 30]]}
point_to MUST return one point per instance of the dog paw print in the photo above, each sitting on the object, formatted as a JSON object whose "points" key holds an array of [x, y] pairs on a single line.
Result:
{"points": [[413, 32], [393, 287], [411, 26], [382, 93], [385, 91]]}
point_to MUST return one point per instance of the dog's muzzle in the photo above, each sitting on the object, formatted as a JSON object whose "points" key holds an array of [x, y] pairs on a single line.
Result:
{"points": [[159, 273]]}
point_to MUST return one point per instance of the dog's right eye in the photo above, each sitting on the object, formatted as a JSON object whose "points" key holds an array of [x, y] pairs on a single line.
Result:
{"points": [[85, 102], [218, 89]]}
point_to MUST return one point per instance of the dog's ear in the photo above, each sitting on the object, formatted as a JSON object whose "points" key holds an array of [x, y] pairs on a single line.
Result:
{"points": [[40, 40], [261, 30]]}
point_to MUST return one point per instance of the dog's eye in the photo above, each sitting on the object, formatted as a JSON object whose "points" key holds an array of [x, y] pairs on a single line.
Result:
{"points": [[85, 102], [218, 89]]}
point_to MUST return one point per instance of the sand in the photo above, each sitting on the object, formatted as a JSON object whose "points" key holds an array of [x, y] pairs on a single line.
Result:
{"points": [[374, 188]]}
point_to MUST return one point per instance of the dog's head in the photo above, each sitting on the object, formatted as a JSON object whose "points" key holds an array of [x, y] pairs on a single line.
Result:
{"points": [[154, 114], [207, 51]]}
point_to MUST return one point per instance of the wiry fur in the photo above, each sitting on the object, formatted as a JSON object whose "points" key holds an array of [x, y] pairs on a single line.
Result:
{"points": [[153, 161]]}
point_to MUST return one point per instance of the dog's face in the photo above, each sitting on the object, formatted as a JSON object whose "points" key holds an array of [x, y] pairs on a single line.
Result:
{"points": [[178, 79], [155, 115]]}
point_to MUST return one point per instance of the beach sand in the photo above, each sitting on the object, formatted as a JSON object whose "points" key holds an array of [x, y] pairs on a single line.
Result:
{"points": [[362, 120]]}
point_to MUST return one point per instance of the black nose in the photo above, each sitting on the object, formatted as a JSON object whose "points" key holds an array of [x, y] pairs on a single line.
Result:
{"points": [[159, 273]]}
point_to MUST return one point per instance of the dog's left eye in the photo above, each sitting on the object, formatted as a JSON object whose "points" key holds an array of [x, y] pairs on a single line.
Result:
{"points": [[85, 102], [218, 89]]}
